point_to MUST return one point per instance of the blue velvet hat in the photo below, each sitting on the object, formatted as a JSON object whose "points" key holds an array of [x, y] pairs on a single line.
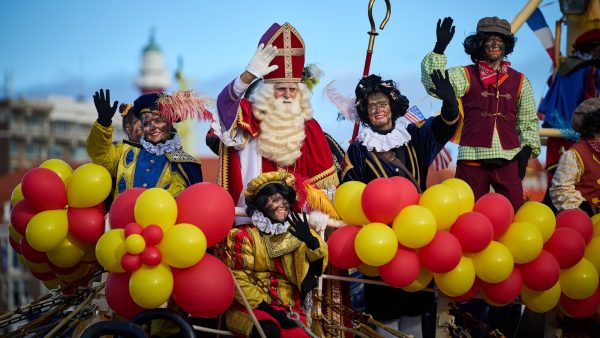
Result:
{"points": [[144, 103]]}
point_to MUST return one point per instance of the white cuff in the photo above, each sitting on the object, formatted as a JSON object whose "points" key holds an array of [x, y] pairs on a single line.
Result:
{"points": [[239, 87]]}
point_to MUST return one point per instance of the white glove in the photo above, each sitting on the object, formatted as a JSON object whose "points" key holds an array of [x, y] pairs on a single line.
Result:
{"points": [[259, 64], [318, 220]]}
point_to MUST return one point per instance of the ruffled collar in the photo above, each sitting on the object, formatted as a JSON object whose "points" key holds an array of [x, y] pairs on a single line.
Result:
{"points": [[264, 224], [398, 137], [168, 146]]}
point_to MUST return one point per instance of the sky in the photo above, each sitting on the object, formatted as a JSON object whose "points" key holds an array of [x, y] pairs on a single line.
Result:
{"points": [[73, 47]]}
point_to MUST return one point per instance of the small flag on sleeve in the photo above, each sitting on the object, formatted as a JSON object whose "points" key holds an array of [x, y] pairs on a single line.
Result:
{"points": [[414, 115], [442, 160], [538, 25]]}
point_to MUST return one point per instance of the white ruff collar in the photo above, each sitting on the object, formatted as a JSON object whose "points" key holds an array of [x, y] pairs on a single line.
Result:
{"points": [[399, 136], [262, 223], [168, 146]]}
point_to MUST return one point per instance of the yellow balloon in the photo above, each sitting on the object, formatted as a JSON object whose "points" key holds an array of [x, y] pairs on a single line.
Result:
{"points": [[150, 287], [579, 281], [67, 254], [415, 226], [47, 229], [347, 202], [35, 267], [376, 244], [443, 202], [51, 284], [524, 241], [13, 233], [88, 186], [60, 167], [135, 244], [155, 206], [423, 279], [89, 253], [539, 215], [541, 301], [82, 271], [110, 249], [466, 197], [183, 245], [457, 281], [592, 253], [596, 222], [16, 196], [494, 263], [368, 270]]}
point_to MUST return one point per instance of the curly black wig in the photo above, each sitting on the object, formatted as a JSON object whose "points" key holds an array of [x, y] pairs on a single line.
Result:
{"points": [[475, 44], [260, 199], [373, 84], [591, 124]]}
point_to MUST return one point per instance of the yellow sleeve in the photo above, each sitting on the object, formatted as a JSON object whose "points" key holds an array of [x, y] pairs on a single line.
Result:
{"points": [[101, 150]]}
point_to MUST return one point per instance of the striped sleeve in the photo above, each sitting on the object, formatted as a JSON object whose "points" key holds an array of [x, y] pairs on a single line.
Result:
{"points": [[562, 191], [528, 125]]}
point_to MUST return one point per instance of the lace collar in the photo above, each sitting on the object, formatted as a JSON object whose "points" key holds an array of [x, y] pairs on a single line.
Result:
{"points": [[373, 140], [168, 146], [264, 224]]}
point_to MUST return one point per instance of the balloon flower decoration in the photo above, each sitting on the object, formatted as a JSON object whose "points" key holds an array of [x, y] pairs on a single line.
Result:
{"points": [[156, 249], [469, 247], [57, 218]]}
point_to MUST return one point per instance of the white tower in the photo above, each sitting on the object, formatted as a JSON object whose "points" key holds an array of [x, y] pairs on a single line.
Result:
{"points": [[154, 76]]}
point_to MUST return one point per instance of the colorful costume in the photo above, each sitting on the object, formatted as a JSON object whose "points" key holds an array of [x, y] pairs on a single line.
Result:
{"points": [[240, 160]]}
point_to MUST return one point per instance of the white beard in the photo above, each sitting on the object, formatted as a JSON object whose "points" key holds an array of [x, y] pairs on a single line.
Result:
{"points": [[281, 131]]}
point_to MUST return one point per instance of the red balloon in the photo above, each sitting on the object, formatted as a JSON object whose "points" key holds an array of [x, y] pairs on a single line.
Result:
{"points": [[130, 262], [382, 200], [578, 220], [44, 276], [30, 253], [341, 247], [498, 210], [152, 234], [442, 254], [63, 271], [118, 297], [44, 189], [403, 269], [567, 245], [209, 207], [477, 285], [121, 210], [16, 246], [580, 308], [86, 224], [410, 195], [473, 230], [151, 256], [101, 207], [133, 229], [20, 216], [505, 291], [205, 289], [541, 273]]}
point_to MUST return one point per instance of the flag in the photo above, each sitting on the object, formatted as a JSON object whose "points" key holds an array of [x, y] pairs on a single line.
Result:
{"points": [[442, 160], [538, 25], [414, 115]]}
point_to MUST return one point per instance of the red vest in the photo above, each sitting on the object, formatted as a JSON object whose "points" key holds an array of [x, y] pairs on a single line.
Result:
{"points": [[486, 107], [588, 185]]}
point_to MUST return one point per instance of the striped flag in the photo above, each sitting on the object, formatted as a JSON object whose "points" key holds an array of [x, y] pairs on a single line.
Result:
{"points": [[414, 115], [442, 160], [538, 25]]}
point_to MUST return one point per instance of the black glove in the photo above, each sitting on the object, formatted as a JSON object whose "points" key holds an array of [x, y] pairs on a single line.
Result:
{"points": [[444, 90], [444, 33], [280, 316], [522, 158], [301, 230], [587, 207], [105, 111]]}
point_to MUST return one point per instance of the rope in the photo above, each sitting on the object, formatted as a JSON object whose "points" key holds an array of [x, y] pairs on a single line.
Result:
{"points": [[248, 308], [209, 330]]}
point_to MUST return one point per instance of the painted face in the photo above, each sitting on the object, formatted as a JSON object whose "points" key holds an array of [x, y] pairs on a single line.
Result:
{"points": [[494, 49], [134, 131], [287, 90], [277, 208], [380, 112], [156, 129]]}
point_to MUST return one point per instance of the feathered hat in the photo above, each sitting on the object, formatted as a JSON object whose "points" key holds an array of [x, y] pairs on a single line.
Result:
{"points": [[179, 106]]}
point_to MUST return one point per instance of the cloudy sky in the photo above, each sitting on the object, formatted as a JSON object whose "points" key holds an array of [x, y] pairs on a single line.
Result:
{"points": [[72, 47]]}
